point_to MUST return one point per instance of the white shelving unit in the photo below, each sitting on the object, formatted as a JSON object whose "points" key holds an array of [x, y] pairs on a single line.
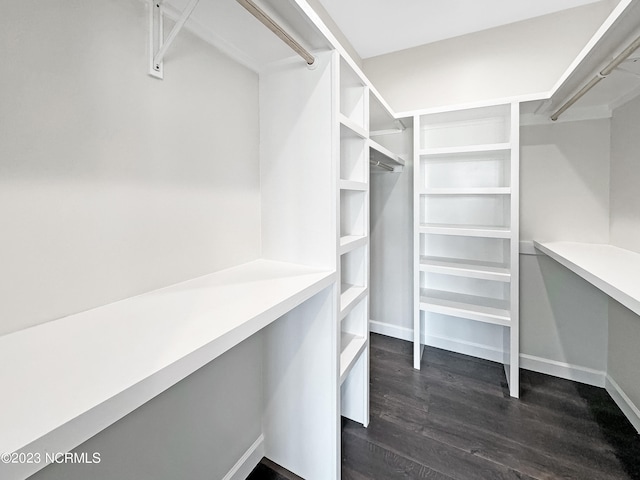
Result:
{"points": [[353, 244], [466, 223]]}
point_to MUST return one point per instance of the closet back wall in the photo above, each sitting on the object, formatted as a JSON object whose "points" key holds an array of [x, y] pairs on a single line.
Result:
{"points": [[113, 183], [522, 58]]}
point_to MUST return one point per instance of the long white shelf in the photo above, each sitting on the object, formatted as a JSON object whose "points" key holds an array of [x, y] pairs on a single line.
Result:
{"points": [[349, 298], [613, 270], [445, 151], [465, 230], [467, 191], [351, 242], [465, 268], [481, 309], [352, 128], [66, 380], [351, 347]]}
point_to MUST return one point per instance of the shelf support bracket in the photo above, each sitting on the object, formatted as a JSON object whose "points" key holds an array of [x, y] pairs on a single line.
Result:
{"points": [[158, 44]]}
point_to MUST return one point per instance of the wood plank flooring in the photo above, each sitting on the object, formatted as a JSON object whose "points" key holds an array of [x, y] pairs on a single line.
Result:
{"points": [[454, 420]]}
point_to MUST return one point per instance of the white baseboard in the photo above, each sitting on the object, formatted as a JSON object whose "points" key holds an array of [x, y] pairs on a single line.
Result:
{"points": [[568, 371], [248, 461], [452, 344], [630, 411], [390, 330]]}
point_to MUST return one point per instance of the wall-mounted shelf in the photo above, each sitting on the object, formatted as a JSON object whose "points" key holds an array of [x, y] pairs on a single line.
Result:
{"points": [[117, 357], [613, 270], [384, 156], [471, 307]]}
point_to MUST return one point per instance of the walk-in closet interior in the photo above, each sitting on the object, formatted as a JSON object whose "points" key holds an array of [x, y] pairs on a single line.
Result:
{"points": [[209, 207]]}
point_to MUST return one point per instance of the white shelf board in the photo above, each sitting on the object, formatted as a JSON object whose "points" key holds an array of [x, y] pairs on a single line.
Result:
{"points": [[467, 191], [351, 347], [349, 298], [353, 185], [352, 128], [481, 309], [465, 268], [351, 242], [466, 230], [66, 380], [384, 155], [613, 270], [446, 151]]}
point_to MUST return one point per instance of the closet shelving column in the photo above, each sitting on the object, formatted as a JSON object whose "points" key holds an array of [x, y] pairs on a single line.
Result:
{"points": [[353, 243], [466, 224]]}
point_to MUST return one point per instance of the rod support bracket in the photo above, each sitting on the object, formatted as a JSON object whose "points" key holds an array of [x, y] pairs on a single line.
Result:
{"points": [[158, 45]]}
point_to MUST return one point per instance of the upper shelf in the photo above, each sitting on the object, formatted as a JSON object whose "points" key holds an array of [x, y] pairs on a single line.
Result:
{"points": [[615, 34], [613, 270], [228, 26], [72, 377], [385, 156]]}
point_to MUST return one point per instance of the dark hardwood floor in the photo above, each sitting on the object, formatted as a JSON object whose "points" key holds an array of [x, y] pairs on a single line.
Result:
{"points": [[454, 419]]}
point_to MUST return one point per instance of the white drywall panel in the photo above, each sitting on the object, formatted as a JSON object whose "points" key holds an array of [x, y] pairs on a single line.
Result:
{"points": [[113, 183]]}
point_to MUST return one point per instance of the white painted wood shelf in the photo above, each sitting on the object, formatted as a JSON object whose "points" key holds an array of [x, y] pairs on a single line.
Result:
{"points": [[467, 191], [349, 297], [613, 270], [384, 155], [465, 230], [465, 268], [351, 347], [351, 242], [447, 151], [471, 307], [353, 185], [88, 370], [351, 128]]}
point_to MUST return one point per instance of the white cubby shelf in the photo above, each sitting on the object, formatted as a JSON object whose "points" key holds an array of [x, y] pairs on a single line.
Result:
{"points": [[471, 307], [351, 347]]}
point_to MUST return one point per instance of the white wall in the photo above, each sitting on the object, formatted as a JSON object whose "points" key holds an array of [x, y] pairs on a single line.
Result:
{"points": [[564, 196], [391, 280], [517, 59], [624, 325], [113, 183]]}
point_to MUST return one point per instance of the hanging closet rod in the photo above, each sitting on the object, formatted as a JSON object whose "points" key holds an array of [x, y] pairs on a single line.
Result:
{"points": [[376, 163], [599, 76], [266, 20]]}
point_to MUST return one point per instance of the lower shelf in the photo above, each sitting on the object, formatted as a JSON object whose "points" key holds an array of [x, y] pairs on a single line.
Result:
{"points": [[471, 307], [351, 347], [465, 268]]}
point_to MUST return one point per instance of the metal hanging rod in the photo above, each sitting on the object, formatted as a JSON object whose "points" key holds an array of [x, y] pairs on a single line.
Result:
{"points": [[599, 76], [376, 163], [267, 21]]}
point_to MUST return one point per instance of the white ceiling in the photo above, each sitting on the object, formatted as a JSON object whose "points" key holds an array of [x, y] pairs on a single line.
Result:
{"points": [[376, 27]]}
